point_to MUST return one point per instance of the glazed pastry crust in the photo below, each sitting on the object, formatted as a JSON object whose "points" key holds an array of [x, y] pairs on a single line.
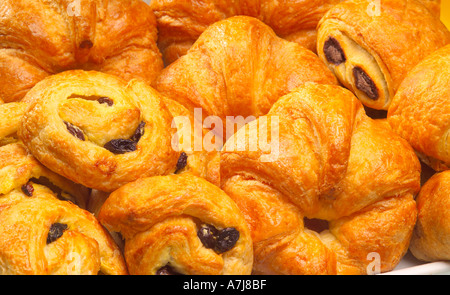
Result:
{"points": [[420, 111], [333, 163], [386, 47], [180, 23], [239, 66], [159, 218], [73, 97], [116, 36], [431, 238]]}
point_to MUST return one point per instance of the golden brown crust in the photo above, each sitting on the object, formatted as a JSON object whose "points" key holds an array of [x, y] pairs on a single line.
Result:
{"points": [[334, 164], [431, 238], [160, 217], [239, 66], [115, 36], [82, 246], [420, 111], [384, 43], [180, 23], [87, 126]]}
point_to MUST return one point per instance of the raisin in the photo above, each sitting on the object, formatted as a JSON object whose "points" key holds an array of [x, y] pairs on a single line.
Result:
{"points": [[120, 146], [208, 235], [226, 239], [182, 162], [139, 132], [364, 83], [167, 270], [74, 130], [28, 189], [55, 232], [333, 51], [106, 100]]}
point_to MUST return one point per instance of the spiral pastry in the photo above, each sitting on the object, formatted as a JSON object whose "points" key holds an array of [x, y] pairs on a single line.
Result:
{"points": [[115, 36], [420, 110], [44, 235], [372, 45], [20, 171], [337, 194], [179, 224], [98, 130]]}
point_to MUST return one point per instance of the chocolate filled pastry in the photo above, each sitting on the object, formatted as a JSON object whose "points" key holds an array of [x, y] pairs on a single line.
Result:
{"points": [[371, 45], [181, 22], [43, 235], [420, 110], [431, 238], [98, 130], [239, 67], [179, 224], [40, 38], [21, 173], [334, 194]]}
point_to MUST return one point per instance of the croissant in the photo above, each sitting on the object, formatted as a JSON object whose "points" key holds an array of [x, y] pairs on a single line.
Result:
{"points": [[98, 130], [180, 23], [238, 66], [20, 171], [430, 240], [43, 235], [371, 50], [420, 110], [333, 193], [179, 224], [115, 36]]}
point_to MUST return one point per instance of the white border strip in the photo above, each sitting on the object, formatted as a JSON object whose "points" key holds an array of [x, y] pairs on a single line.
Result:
{"points": [[434, 268]]}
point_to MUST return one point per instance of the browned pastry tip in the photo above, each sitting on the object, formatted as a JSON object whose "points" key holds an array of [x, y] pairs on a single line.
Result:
{"points": [[179, 224], [116, 36], [327, 161], [372, 45], [431, 238]]}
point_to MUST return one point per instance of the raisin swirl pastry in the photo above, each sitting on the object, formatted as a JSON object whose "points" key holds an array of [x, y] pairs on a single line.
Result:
{"points": [[431, 237], [20, 172], [98, 130], [179, 224], [420, 110], [43, 235], [115, 36], [372, 50], [238, 66], [180, 22], [335, 167]]}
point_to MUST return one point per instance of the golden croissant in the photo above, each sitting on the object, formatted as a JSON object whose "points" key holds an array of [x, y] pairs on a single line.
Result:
{"points": [[179, 224], [332, 169], [371, 47], [40, 38]]}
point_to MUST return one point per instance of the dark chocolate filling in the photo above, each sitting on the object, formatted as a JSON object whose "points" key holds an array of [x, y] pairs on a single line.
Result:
{"points": [[364, 83], [333, 51]]}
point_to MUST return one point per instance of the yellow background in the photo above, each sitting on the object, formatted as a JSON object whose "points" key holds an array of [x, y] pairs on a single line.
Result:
{"points": [[445, 12]]}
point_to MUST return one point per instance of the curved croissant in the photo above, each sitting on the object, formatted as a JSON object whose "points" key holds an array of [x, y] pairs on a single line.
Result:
{"points": [[43, 235], [331, 166], [431, 237], [180, 23], [179, 224], [239, 66], [98, 130], [420, 110], [116, 36], [371, 49]]}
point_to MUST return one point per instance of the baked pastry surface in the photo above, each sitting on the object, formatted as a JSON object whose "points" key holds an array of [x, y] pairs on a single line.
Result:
{"points": [[372, 51], [179, 224], [420, 111], [334, 165], [41, 38], [431, 237], [98, 130]]}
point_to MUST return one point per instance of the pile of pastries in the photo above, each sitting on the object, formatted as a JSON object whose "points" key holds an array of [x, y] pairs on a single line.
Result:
{"points": [[116, 157]]}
